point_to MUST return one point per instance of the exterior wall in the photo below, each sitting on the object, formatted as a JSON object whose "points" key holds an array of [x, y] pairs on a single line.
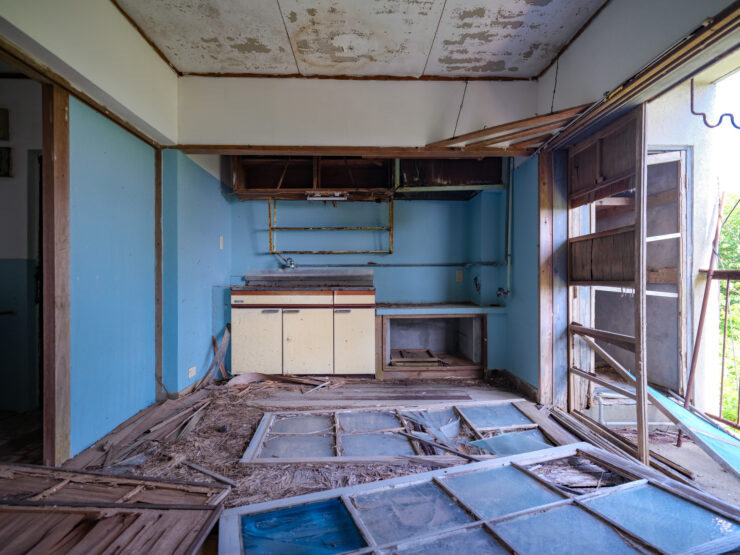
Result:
{"points": [[19, 372], [670, 123], [242, 111], [523, 303], [112, 275], [623, 38], [96, 49], [195, 268]]}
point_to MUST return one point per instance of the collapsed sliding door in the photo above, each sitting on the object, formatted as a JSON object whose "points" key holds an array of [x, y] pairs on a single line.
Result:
{"points": [[610, 164]]}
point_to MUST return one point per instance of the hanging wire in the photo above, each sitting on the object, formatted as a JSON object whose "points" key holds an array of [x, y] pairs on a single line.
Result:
{"points": [[555, 85], [454, 132], [704, 114]]}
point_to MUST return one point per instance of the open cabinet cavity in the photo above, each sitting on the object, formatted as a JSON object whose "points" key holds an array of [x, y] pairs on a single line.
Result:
{"points": [[431, 346]]}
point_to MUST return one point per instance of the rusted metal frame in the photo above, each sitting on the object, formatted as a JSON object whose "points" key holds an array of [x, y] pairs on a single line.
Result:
{"points": [[703, 313], [732, 275], [724, 351], [272, 219]]}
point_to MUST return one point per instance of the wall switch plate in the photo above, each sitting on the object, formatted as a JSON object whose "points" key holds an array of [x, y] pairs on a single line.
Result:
{"points": [[191, 371], [221, 242], [458, 276]]}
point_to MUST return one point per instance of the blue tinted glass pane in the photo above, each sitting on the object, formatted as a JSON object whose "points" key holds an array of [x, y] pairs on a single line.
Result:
{"points": [[298, 447], [494, 416], [375, 445], [407, 512], [565, 529], [499, 491], [513, 443], [367, 421], [318, 528], [469, 542], [662, 519]]}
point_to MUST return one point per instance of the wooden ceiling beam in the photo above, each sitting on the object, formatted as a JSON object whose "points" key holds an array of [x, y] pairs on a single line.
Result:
{"points": [[527, 122], [364, 151]]}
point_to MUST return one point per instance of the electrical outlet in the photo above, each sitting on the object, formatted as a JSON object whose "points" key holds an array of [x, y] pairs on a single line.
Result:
{"points": [[191, 371], [458, 276], [221, 242]]}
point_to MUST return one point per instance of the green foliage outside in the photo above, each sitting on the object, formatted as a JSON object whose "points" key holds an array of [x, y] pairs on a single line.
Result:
{"points": [[729, 252]]}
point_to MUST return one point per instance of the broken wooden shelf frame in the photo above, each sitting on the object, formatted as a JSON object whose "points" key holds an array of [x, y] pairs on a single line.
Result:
{"points": [[635, 476], [652, 396], [528, 126], [532, 419]]}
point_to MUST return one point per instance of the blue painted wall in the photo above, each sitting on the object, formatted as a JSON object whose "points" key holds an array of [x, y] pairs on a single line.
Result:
{"points": [[195, 270], [424, 232], [112, 275], [523, 303]]}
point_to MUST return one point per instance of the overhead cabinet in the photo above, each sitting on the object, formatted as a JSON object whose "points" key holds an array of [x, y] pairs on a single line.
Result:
{"points": [[303, 332]]}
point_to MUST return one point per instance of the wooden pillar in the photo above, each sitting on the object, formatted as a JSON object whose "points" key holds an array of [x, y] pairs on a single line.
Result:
{"points": [[643, 446], [161, 392], [545, 389], [56, 275]]}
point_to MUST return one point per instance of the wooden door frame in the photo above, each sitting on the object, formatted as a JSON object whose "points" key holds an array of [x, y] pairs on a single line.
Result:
{"points": [[56, 275]]}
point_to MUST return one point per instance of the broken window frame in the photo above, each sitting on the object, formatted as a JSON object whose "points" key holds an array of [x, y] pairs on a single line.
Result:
{"points": [[230, 537], [263, 432]]}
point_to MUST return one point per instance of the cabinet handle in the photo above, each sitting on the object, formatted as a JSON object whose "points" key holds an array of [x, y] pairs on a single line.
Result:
{"points": [[271, 311], [342, 311], [294, 311]]}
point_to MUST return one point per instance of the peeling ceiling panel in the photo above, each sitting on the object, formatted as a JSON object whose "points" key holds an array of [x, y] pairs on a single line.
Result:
{"points": [[361, 37], [515, 38], [216, 36], [400, 38]]}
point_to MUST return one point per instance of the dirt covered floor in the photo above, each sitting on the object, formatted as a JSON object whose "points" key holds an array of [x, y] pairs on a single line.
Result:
{"points": [[222, 435]]}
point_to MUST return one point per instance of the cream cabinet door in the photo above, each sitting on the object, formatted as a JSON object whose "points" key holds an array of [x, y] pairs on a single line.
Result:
{"points": [[257, 340], [307, 341], [354, 341]]}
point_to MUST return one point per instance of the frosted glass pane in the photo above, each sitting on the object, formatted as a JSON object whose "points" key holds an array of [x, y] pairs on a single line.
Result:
{"points": [[513, 443], [302, 424], [467, 543], [662, 519], [494, 416], [367, 421], [565, 529], [499, 491], [298, 447], [407, 512], [379, 445], [317, 528]]}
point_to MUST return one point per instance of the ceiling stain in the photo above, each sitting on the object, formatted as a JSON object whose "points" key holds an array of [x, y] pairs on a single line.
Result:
{"points": [[361, 37]]}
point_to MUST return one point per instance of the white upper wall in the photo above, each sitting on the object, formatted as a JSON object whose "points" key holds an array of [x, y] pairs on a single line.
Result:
{"points": [[624, 38], [96, 49], [320, 112], [92, 45]]}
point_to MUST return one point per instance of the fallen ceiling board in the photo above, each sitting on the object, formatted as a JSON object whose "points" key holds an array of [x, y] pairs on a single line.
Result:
{"points": [[514, 37]]}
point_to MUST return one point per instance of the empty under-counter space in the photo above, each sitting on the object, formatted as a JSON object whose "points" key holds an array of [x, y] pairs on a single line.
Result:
{"points": [[433, 340]]}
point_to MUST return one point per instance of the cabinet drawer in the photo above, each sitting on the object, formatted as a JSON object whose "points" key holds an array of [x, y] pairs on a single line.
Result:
{"points": [[354, 298], [257, 341], [307, 341], [354, 341], [281, 298]]}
